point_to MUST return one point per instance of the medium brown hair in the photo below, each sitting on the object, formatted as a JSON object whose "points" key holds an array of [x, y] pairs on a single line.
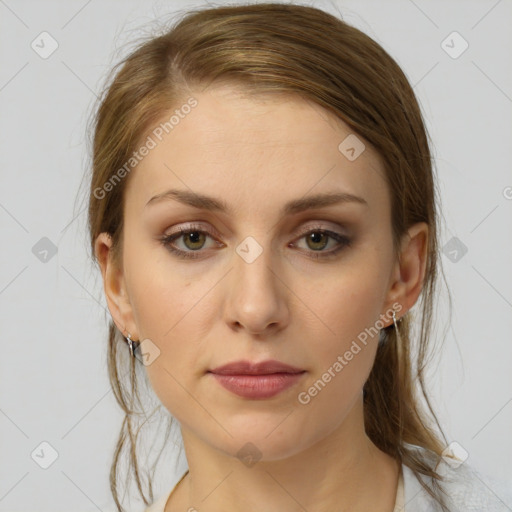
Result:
{"points": [[291, 49]]}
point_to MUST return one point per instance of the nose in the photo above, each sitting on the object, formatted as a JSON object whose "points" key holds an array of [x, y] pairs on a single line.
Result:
{"points": [[256, 294]]}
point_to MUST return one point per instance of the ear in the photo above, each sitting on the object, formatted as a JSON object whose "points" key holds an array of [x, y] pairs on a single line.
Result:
{"points": [[114, 286], [409, 271]]}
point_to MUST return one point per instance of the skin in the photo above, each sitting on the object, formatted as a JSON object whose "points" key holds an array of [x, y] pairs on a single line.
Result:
{"points": [[256, 153]]}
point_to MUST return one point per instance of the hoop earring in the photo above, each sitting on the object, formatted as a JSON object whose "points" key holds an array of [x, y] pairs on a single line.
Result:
{"points": [[131, 344]]}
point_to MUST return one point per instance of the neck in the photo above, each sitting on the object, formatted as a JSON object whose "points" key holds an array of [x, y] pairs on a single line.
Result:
{"points": [[343, 471]]}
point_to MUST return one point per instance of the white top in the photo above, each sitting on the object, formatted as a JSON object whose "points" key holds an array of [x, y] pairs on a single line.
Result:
{"points": [[466, 490]]}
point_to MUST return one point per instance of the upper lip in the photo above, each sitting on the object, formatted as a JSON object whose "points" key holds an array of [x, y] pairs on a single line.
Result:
{"points": [[250, 368]]}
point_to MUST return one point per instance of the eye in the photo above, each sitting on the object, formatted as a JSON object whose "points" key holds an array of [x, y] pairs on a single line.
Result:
{"points": [[317, 239], [194, 239]]}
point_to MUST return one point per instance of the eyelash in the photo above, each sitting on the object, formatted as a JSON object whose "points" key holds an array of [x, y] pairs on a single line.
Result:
{"points": [[167, 241]]}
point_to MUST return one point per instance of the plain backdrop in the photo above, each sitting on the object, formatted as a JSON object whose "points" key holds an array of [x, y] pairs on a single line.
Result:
{"points": [[54, 386]]}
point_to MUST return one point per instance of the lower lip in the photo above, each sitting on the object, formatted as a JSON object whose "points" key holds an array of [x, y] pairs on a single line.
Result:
{"points": [[258, 386]]}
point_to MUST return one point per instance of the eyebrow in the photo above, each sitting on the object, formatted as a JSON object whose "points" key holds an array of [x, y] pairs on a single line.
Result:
{"points": [[205, 202]]}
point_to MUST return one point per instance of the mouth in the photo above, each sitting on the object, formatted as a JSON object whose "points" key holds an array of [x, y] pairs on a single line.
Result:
{"points": [[257, 380]]}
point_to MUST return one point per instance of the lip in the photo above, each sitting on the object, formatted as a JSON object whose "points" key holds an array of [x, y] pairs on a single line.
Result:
{"points": [[249, 368], [257, 380]]}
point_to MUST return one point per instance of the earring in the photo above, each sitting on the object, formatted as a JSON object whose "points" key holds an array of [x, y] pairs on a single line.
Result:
{"points": [[396, 326], [130, 345]]}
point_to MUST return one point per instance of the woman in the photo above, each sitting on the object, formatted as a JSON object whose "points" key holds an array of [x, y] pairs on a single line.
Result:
{"points": [[264, 214]]}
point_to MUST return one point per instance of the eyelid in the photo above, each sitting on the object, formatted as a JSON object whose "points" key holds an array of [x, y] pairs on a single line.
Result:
{"points": [[185, 228], [319, 227]]}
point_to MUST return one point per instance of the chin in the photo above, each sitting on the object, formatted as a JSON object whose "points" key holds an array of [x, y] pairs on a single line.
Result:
{"points": [[268, 439]]}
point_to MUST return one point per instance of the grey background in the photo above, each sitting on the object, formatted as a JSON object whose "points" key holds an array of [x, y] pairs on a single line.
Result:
{"points": [[54, 385]]}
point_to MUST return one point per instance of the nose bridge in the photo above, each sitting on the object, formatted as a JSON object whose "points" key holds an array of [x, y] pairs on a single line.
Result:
{"points": [[257, 297], [254, 263]]}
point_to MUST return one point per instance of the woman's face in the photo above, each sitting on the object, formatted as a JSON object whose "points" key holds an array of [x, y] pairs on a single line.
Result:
{"points": [[267, 269]]}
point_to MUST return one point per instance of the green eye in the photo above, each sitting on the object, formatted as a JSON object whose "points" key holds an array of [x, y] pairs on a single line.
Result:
{"points": [[196, 239], [317, 240]]}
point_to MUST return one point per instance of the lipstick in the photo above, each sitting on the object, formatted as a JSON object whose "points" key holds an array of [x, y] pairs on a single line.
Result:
{"points": [[257, 380]]}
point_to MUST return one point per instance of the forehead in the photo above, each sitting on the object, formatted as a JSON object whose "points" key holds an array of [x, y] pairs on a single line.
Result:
{"points": [[257, 148]]}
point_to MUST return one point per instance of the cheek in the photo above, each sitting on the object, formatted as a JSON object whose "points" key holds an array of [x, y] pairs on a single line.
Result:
{"points": [[349, 308], [343, 360], [344, 357], [160, 295], [351, 304], [175, 313]]}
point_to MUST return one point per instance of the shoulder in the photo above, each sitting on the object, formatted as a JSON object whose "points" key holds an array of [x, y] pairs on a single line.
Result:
{"points": [[465, 489]]}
